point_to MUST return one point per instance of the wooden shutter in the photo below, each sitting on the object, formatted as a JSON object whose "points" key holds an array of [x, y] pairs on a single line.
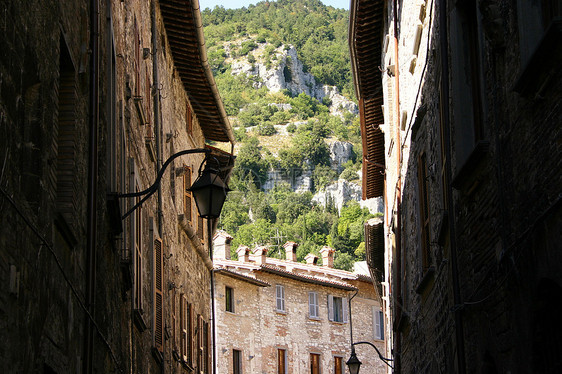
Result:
{"points": [[281, 361], [314, 363], [200, 343], [136, 239], [338, 365], [192, 331], [345, 309], [183, 328], [187, 198], [313, 304], [158, 279], [280, 297], [330, 307], [66, 147]]}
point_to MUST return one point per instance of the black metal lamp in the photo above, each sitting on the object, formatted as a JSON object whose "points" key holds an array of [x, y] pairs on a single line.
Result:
{"points": [[353, 363], [209, 192]]}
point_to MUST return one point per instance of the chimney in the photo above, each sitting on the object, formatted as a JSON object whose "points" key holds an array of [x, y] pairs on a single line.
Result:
{"points": [[221, 245], [311, 259], [291, 251], [327, 256], [243, 253], [259, 255]]}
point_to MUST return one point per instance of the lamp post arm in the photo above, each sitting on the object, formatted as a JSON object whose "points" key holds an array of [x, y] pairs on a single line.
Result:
{"points": [[384, 359], [154, 187]]}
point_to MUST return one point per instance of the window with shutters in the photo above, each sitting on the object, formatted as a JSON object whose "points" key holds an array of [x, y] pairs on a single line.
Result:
{"points": [[378, 323], [424, 212], [314, 363], [280, 298], [236, 361], [313, 305], [187, 196], [338, 365], [281, 361], [186, 331], [337, 309], [66, 183], [229, 299], [136, 248], [158, 287]]}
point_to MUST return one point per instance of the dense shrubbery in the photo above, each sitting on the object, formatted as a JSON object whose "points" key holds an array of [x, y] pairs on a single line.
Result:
{"points": [[319, 34]]}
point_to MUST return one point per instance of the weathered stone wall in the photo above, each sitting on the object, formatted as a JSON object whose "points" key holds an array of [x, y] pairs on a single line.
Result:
{"points": [[42, 254], [505, 186], [258, 330], [44, 115]]}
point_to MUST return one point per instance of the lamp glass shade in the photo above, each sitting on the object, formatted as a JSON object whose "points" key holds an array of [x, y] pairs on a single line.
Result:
{"points": [[353, 364], [209, 192]]}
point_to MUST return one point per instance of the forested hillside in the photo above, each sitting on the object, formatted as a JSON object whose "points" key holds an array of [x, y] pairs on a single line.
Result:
{"points": [[283, 71]]}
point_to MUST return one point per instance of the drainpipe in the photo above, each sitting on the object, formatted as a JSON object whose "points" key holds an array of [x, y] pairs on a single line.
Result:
{"points": [[155, 92], [91, 229], [457, 299], [398, 188]]}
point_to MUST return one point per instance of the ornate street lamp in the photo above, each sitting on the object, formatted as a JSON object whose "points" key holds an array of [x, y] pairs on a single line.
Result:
{"points": [[353, 363], [209, 192]]}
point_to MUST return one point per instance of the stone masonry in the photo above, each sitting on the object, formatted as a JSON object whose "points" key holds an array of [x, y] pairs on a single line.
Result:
{"points": [[257, 328]]}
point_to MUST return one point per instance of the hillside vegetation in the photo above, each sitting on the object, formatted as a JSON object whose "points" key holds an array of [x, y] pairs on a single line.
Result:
{"points": [[287, 130]]}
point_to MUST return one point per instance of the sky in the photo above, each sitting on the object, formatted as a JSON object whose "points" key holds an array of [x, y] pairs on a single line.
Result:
{"points": [[240, 3]]}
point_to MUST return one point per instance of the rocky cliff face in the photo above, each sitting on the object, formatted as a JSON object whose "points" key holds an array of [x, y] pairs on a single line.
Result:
{"points": [[286, 73], [342, 192]]}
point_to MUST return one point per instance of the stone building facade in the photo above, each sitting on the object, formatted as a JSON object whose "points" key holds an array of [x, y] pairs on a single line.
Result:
{"points": [[94, 98], [462, 126], [281, 316]]}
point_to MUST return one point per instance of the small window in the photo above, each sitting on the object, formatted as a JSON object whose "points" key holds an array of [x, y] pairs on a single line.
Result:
{"points": [[236, 361], [280, 298], [337, 309], [313, 304], [229, 295], [281, 361], [314, 363], [378, 323], [338, 365]]}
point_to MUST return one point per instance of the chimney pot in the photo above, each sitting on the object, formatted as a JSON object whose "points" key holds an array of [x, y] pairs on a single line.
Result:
{"points": [[327, 256]]}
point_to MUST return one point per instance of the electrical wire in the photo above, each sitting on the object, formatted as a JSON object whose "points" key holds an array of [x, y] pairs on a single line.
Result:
{"points": [[65, 276]]}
